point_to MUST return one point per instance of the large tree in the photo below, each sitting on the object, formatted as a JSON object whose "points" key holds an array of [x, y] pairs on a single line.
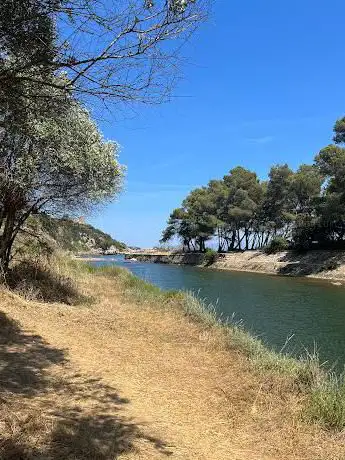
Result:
{"points": [[58, 164], [193, 223]]}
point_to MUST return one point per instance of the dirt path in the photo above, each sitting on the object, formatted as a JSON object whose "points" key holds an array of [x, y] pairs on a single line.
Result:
{"points": [[116, 380]]}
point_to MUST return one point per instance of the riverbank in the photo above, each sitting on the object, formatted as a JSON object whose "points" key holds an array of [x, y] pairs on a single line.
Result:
{"points": [[329, 265], [133, 372]]}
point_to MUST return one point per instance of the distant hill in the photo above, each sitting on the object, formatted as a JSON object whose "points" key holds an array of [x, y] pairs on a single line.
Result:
{"points": [[75, 235]]}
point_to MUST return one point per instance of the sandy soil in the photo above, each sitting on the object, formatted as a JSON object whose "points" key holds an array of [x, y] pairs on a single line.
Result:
{"points": [[116, 380]]}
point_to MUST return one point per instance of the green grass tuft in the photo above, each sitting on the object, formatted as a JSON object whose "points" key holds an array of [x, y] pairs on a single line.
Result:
{"points": [[327, 402]]}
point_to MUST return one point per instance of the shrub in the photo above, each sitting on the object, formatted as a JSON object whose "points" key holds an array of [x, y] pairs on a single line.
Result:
{"points": [[210, 256], [327, 402], [37, 281], [277, 244]]}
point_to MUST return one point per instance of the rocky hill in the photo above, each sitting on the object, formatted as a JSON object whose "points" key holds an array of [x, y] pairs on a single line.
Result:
{"points": [[76, 236]]}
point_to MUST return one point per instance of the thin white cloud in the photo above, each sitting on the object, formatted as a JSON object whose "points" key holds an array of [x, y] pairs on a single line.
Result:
{"points": [[260, 140], [138, 186]]}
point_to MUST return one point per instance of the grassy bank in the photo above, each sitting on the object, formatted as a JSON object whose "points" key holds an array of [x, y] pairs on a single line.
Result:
{"points": [[324, 390]]}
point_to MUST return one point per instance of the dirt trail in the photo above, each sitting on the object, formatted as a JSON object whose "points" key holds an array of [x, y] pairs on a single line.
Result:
{"points": [[120, 381]]}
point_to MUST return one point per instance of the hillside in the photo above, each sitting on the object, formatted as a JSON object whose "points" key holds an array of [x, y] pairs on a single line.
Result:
{"points": [[76, 236]]}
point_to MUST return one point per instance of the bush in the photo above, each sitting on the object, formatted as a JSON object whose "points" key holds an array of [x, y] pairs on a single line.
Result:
{"points": [[45, 282], [210, 256], [327, 402], [277, 244]]}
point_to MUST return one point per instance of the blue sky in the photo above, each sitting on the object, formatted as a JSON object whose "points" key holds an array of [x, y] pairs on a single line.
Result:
{"points": [[264, 85]]}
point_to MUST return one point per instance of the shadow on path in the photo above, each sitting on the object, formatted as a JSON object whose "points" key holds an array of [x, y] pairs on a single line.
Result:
{"points": [[24, 357], [49, 412]]}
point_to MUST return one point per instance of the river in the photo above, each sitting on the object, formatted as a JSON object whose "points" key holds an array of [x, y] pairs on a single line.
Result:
{"points": [[271, 307]]}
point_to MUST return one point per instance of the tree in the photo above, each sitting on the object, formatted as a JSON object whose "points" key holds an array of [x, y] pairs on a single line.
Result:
{"points": [[305, 185], [277, 210], [217, 197], [192, 223], [126, 50], [339, 131], [305, 189], [298, 208], [331, 207], [202, 222], [27, 47], [59, 164], [243, 200], [180, 226]]}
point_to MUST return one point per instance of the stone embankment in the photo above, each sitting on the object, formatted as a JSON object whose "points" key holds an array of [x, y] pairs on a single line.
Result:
{"points": [[318, 264]]}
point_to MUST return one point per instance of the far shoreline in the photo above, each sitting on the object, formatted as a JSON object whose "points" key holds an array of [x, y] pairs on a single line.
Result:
{"points": [[315, 264]]}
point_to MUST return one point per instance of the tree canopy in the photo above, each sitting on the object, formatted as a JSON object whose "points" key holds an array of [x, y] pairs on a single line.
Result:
{"points": [[305, 207], [54, 56], [58, 164]]}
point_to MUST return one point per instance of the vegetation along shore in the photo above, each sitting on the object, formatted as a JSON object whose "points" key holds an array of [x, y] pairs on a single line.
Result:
{"points": [[301, 209]]}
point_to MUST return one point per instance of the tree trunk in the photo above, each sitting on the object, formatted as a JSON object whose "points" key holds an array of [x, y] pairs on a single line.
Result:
{"points": [[219, 240], [268, 234], [254, 240], [233, 239], [7, 239], [239, 240], [247, 237]]}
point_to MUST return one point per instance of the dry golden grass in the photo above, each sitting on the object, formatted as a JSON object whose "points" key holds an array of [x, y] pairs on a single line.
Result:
{"points": [[120, 380]]}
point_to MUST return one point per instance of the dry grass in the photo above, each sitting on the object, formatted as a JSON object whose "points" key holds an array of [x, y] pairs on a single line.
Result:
{"points": [[48, 281], [128, 379]]}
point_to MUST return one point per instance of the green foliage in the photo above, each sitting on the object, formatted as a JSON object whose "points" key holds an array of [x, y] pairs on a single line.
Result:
{"points": [[225, 206], [277, 244], [305, 186], [52, 155], [327, 402], [276, 208], [75, 236], [58, 163], [210, 256], [339, 131], [305, 208], [27, 49]]}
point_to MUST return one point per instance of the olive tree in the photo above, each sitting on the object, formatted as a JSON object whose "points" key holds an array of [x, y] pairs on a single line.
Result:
{"points": [[57, 164]]}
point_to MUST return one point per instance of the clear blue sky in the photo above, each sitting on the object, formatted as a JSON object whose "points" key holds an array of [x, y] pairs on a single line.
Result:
{"points": [[265, 85]]}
